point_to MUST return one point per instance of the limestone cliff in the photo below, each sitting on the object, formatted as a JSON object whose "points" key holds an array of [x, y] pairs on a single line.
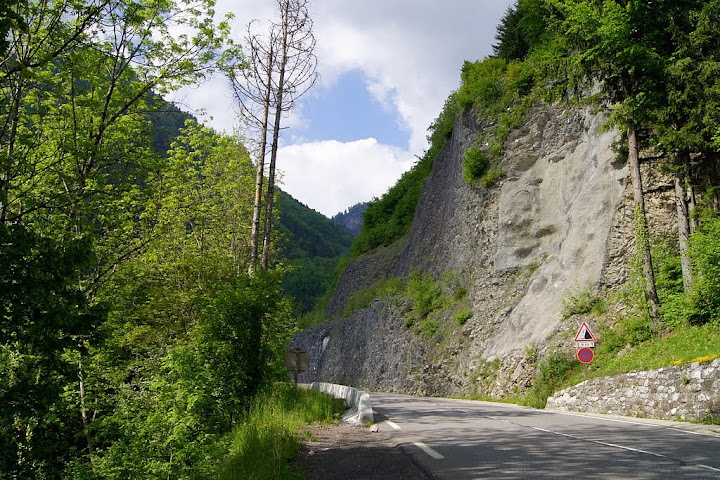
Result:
{"points": [[557, 222]]}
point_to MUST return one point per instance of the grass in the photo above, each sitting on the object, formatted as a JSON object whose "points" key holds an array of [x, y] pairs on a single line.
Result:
{"points": [[266, 440], [684, 345]]}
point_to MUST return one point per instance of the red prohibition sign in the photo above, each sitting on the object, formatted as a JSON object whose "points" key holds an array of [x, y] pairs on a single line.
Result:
{"points": [[585, 355]]}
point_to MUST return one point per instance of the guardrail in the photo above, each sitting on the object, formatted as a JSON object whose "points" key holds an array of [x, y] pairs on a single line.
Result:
{"points": [[359, 407]]}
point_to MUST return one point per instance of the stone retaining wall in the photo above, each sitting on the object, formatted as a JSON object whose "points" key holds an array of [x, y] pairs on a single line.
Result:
{"points": [[687, 392]]}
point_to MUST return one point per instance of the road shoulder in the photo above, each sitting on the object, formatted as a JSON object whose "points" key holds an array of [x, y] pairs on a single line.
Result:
{"points": [[335, 452]]}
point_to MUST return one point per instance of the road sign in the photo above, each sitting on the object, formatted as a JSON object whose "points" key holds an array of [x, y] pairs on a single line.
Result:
{"points": [[584, 334], [584, 344], [585, 355]]}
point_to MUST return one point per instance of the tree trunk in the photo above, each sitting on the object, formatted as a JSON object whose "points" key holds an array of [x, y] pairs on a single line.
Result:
{"points": [[683, 231], [260, 174], [692, 199], [270, 194], [7, 166], [83, 409], [642, 233]]}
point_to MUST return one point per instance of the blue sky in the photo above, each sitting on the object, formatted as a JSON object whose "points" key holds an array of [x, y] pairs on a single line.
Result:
{"points": [[346, 111], [386, 68]]}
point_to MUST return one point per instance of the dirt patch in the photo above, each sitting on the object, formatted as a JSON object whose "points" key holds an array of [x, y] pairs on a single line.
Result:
{"points": [[344, 452]]}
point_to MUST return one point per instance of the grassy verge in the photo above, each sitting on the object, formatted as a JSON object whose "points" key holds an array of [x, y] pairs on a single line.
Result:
{"points": [[614, 355], [266, 440]]}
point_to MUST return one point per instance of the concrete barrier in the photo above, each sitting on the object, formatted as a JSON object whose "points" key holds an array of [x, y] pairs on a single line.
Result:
{"points": [[359, 407]]}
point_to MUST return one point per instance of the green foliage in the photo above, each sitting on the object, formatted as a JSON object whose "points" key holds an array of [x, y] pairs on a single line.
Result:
{"points": [[312, 246], [704, 295], [521, 29], [582, 302], [44, 315], [475, 164], [699, 304], [385, 289], [463, 316], [265, 441], [552, 374], [647, 352], [425, 293], [389, 218]]}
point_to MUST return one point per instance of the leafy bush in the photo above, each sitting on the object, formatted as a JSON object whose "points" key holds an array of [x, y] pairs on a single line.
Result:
{"points": [[385, 289], [493, 175], [554, 371], [425, 294], [463, 316], [389, 218], [582, 302], [475, 164], [705, 254]]}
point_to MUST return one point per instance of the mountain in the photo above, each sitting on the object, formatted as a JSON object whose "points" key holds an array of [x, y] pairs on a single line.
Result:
{"points": [[488, 269], [351, 219], [313, 245]]}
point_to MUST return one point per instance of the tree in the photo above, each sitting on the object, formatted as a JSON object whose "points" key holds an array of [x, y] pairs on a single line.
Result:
{"points": [[44, 315], [282, 68], [521, 30], [622, 45], [74, 163], [685, 124]]}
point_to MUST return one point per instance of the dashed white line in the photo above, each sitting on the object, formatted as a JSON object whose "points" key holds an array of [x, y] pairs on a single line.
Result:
{"points": [[600, 442], [393, 424], [428, 450], [709, 467]]}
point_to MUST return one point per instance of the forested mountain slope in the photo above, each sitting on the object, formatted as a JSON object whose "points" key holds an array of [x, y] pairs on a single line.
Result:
{"points": [[313, 245]]}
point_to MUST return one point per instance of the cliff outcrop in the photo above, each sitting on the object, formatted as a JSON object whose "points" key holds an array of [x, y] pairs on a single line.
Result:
{"points": [[558, 222]]}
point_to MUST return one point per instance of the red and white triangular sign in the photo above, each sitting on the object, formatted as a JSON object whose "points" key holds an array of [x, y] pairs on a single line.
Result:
{"points": [[584, 334]]}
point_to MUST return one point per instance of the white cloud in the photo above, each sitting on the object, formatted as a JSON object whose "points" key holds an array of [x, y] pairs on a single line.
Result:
{"points": [[331, 176], [411, 53]]}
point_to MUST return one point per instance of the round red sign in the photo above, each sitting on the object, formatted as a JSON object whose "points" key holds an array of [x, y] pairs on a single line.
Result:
{"points": [[585, 355]]}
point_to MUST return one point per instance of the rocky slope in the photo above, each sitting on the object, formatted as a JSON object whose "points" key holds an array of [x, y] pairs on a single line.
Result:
{"points": [[559, 222]]}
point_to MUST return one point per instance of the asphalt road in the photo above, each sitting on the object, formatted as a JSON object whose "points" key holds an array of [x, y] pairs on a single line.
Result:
{"points": [[458, 439]]}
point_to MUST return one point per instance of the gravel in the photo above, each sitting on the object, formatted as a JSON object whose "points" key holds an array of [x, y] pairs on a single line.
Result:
{"points": [[335, 452]]}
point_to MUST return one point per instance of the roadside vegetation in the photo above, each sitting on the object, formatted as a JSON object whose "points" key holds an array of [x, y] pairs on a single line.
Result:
{"points": [[268, 436]]}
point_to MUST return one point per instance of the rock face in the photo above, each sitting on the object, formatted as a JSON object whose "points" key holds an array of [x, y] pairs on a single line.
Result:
{"points": [[557, 223], [688, 392]]}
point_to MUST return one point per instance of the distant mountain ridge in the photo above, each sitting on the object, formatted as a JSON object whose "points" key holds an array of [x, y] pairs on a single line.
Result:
{"points": [[352, 218]]}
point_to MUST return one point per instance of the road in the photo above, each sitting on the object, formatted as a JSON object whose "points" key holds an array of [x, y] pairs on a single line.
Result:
{"points": [[458, 439]]}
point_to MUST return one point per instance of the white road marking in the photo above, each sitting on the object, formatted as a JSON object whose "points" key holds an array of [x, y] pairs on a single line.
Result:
{"points": [[393, 424], [600, 442], [709, 467], [643, 424], [428, 450]]}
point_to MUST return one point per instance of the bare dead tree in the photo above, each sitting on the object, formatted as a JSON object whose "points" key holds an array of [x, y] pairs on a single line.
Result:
{"points": [[253, 89], [278, 69], [297, 73]]}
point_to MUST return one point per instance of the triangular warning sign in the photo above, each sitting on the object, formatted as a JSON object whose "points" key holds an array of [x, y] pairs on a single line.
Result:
{"points": [[584, 334]]}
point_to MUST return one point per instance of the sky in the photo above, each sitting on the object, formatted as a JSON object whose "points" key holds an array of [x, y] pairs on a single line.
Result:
{"points": [[386, 68]]}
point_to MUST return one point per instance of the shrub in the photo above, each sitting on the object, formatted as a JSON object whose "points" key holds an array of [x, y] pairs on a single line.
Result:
{"points": [[555, 369], [493, 175], [475, 164], [705, 255], [463, 316], [425, 294], [582, 302]]}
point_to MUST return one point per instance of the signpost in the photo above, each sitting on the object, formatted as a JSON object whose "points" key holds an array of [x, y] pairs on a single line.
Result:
{"points": [[585, 355], [297, 361], [584, 342]]}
